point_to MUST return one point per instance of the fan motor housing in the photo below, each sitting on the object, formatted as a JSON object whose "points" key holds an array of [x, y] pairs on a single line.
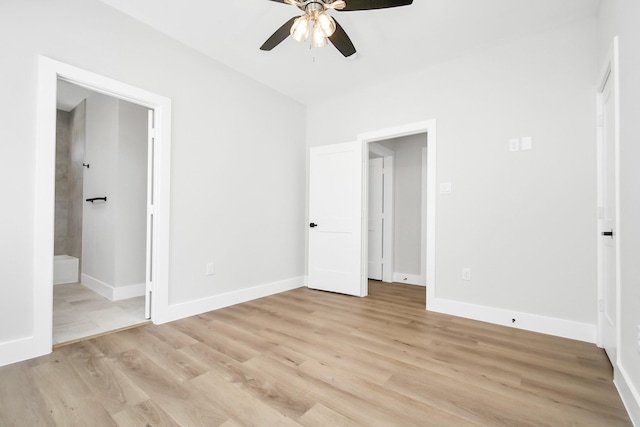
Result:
{"points": [[311, 6]]}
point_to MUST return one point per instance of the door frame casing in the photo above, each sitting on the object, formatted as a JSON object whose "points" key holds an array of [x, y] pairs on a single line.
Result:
{"points": [[50, 71], [427, 127], [609, 71]]}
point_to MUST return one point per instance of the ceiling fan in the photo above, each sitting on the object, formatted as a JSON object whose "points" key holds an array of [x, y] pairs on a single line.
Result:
{"points": [[318, 26]]}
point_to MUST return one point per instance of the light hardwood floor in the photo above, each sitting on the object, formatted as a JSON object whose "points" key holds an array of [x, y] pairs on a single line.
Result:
{"points": [[79, 312], [316, 359]]}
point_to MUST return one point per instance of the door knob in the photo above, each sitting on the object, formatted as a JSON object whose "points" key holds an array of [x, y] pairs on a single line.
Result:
{"points": [[313, 224]]}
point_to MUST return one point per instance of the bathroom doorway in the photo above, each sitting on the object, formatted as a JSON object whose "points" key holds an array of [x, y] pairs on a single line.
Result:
{"points": [[100, 226]]}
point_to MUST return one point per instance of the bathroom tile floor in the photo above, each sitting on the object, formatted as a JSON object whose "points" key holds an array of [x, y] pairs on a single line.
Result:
{"points": [[79, 312]]}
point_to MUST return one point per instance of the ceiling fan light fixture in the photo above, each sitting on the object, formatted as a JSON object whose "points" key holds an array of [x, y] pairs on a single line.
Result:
{"points": [[318, 25], [326, 24], [300, 28], [317, 38]]}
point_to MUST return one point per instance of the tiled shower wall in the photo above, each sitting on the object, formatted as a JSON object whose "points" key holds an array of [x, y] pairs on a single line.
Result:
{"points": [[76, 171], [70, 141], [63, 159]]}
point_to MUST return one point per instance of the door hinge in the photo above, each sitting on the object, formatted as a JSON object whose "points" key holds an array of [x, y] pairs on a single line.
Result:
{"points": [[601, 305], [152, 132], [600, 120]]}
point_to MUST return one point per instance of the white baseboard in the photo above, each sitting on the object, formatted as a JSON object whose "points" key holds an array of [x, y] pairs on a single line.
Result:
{"points": [[129, 291], [97, 286], [530, 322], [29, 347], [192, 308], [113, 293], [629, 393], [412, 279], [22, 349]]}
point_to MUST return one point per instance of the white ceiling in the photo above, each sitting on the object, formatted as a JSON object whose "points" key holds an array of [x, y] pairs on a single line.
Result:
{"points": [[390, 42]]}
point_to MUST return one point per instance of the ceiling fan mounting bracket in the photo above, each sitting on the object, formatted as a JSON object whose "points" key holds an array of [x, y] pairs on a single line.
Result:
{"points": [[311, 7]]}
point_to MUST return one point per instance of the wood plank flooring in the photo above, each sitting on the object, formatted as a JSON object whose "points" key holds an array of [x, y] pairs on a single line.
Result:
{"points": [[316, 359]]}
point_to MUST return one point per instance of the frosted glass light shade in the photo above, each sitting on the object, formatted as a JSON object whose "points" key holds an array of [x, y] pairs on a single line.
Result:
{"points": [[318, 39], [326, 24], [300, 28]]}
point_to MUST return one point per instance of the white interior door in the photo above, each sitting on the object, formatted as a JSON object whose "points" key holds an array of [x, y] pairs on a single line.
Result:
{"points": [[608, 221], [375, 223], [335, 218], [151, 229]]}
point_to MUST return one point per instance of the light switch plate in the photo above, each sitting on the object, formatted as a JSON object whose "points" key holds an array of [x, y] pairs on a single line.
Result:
{"points": [[445, 188], [526, 143], [514, 144]]}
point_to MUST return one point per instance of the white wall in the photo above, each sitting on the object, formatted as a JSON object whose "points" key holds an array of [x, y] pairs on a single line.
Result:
{"points": [[99, 218], [620, 18], [523, 222], [114, 237], [237, 166], [407, 203], [131, 202]]}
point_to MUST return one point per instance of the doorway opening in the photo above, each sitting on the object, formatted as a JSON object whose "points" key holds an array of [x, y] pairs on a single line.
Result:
{"points": [[396, 210], [382, 144], [100, 242], [157, 209], [338, 211]]}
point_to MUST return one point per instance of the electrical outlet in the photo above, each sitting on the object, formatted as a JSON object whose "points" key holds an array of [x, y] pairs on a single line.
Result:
{"points": [[210, 269], [526, 143], [514, 144], [466, 274]]}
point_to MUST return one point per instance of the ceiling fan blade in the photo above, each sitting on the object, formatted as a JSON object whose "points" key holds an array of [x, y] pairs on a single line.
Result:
{"points": [[342, 42], [280, 34], [373, 4]]}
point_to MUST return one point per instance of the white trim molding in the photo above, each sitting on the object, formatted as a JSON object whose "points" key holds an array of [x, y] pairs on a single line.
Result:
{"points": [[19, 349], [113, 293], [530, 322], [49, 71], [427, 127], [129, 291], [628, 392], [411, 279], [203, 305]]}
